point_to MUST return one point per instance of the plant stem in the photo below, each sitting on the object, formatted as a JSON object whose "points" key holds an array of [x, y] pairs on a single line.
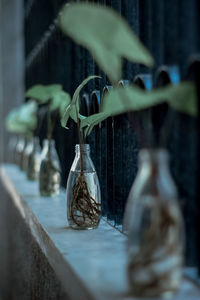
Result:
{"points": [[51, 123], [80, 142], [49, 133], [40, 120]]}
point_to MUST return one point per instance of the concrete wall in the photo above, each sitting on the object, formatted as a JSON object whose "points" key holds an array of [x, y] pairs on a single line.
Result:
{"points": [[11, 64], [25, 273]]}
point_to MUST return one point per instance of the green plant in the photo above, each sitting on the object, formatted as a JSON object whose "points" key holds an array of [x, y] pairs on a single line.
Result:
{"points": [[22, 120], [58, 100], [55, 99], [88, 207], [73, 112]]}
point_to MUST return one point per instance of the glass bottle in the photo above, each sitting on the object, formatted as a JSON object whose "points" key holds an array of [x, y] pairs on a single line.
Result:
{"points": [[27, 150], [49, 176], [154, 225], [19, 156], [34, 161], [83, 192]]}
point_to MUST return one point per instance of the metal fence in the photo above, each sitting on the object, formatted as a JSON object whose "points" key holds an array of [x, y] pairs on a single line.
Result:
{"points": [[169, 29]]}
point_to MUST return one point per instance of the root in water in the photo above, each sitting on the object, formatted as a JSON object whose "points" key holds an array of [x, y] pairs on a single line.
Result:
{"points": [[159, 247], [85, 211]]}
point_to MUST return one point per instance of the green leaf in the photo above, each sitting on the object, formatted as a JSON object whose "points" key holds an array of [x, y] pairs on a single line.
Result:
{"points": [[43, 93], [181, 97], [92, 121], [27, 115], [65, 117], [12, 124], [60, 101], [71, 108], [22, 120], [79, 88], [105, 34]]}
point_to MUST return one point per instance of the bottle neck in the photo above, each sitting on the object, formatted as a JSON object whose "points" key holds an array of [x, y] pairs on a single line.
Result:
{"points": [[153, 159], [29, 146], [48, 148], [82, 161], [36, 143], [48, 143], [36, 140], [83, 148]]}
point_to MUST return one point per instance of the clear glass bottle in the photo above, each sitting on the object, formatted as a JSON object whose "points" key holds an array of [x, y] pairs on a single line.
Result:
{"points": [[154, 225], [34, 161], [83, 192], [27, 150], [49, 176], [19, 156]]}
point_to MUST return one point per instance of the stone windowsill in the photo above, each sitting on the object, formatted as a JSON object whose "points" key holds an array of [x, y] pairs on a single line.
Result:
{"points": [[89, 264]]}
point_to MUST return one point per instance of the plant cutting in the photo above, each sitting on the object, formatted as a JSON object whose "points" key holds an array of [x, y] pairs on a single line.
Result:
{"points": [[152, 271], [83, 191], [56, 101], [22, 121]]}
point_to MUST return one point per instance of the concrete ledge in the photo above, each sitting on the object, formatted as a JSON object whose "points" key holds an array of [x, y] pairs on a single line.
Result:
{"points": [[73, 264]]}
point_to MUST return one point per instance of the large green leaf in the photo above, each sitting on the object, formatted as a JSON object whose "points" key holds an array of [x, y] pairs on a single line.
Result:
{"points": [[181, 97], [105, 34], [74, 105], [91, 121], [43, 93]]}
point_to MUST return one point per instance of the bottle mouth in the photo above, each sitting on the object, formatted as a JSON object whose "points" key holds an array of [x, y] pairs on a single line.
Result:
{"points": [[83, 147]]}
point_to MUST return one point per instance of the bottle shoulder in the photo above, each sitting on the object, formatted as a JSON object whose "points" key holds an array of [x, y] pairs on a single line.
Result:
{"points": [[88, 165]]}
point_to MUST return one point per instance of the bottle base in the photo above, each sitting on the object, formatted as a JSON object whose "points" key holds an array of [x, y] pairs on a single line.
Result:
{"points": [[76, 227]]}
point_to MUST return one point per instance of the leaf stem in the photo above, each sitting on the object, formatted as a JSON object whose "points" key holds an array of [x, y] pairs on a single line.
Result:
{"points": [[39, 124], [80, 141], [49, 133]]}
